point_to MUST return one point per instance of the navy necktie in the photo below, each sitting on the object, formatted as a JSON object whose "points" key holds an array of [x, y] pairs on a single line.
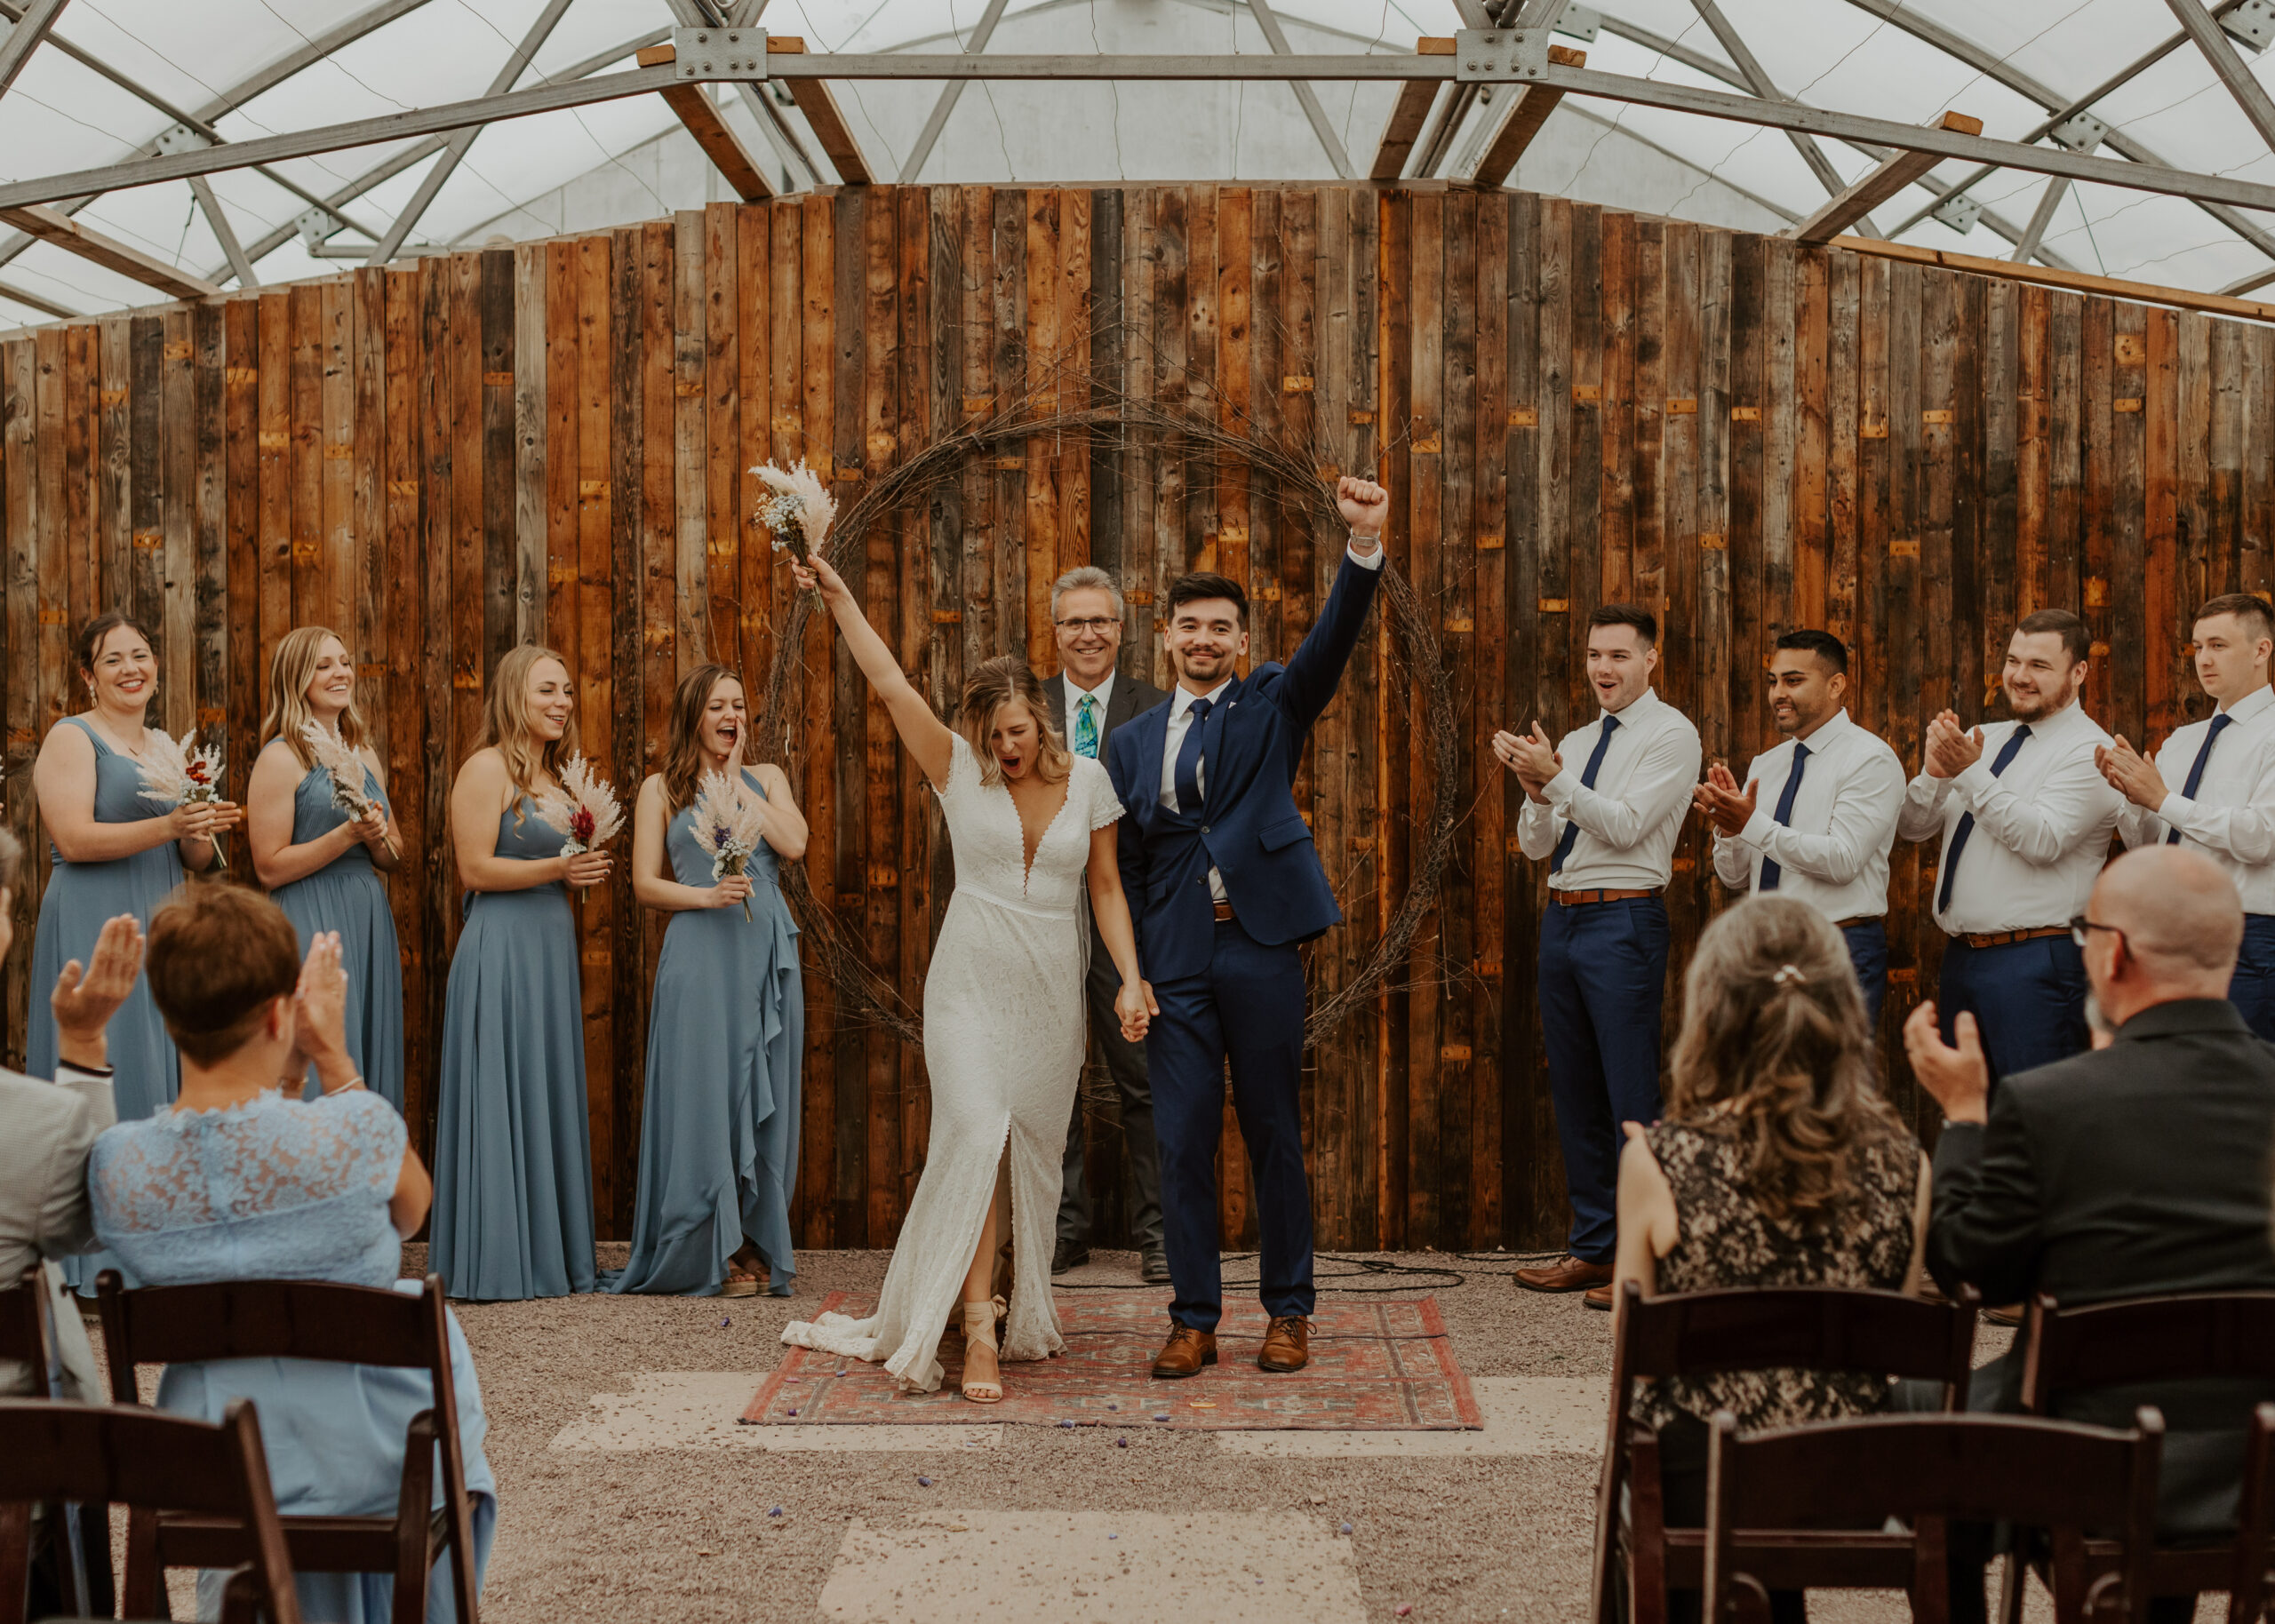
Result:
{"points": [[1772, 871], [1188, 758], [1966, 819], [1587, 780], [2196, 773]]}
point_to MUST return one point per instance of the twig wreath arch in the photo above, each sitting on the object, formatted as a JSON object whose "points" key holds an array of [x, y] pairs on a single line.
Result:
{"points": [[1291, 477]]}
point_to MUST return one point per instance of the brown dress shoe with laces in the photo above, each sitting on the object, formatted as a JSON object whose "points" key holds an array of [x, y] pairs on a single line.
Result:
{"points": [[1185, 1352], [1566, 1274], [1287, 1345]]}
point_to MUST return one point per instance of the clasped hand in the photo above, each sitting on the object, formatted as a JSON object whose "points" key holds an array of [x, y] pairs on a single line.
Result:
{"points": [[1951, 748], [1720, 802], [205, 820], [731, 888], [586, 868], [1134, 1004]]}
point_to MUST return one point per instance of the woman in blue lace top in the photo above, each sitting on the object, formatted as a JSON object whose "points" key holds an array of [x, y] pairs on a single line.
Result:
{"points": [[239, 1181]]}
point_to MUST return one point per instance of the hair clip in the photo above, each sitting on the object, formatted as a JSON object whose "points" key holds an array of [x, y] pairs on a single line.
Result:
{"points": [[1788, 973]]}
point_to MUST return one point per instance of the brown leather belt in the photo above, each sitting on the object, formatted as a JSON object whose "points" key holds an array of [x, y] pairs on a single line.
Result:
{"points": [[1224, 912], [1855, 921], [1999, 938], [1574, 899]]}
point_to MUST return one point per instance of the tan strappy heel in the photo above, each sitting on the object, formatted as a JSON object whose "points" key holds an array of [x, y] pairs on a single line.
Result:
{"points": [[980, 1328]]}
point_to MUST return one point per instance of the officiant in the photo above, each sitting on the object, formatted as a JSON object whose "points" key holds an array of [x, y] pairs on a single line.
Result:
{"points": [[1093, 696]]}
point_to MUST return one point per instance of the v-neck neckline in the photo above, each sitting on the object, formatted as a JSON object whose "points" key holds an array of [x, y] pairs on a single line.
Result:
{"points": [[1026, 864], [111, 743]]}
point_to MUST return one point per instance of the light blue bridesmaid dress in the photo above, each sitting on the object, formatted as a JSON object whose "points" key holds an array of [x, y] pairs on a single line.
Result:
{"points": [[719, 1129], [79, 897], [347, 895], [279, 1190], [512, 1154]]}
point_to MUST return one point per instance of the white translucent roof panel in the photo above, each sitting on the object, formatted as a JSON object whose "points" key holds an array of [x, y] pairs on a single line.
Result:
{"points": [[2000, 60]]}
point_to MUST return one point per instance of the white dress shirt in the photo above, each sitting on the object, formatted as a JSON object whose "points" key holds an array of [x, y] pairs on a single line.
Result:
{"points": [[2230, 818], [1102, 693], [1630, 820], [1833, 852], [1181, 720], [2041, 828]]}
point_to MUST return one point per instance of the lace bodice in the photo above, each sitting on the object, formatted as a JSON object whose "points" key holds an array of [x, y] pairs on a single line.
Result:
{"points": [[991, 847], [275, 1188]]}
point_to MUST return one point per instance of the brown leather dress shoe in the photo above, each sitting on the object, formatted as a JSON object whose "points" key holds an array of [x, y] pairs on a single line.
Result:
{"points": [[1566, 1274], [1287, 1344], [1185, 1352], [1599, 1297]]}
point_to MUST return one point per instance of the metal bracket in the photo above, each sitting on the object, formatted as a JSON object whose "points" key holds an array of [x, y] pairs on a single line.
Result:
{"points": [[316, 227], [2080, 133], [180, 138], [720, 53], [1577, 23], [2252, 24], [1958, 211], [1500, 56]]}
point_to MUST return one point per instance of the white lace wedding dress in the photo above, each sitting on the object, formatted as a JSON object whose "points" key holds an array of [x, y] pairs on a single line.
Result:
{"points": [[1004, 1040]]}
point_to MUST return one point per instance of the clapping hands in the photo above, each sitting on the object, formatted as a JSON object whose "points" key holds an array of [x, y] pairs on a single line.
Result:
{"points": [[1720, 802], [1951, 748], [2130, 774], [1531, 756], [85, 998], [320, 1013]]}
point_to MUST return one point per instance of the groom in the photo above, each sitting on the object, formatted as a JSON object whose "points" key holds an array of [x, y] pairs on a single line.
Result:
{"points": [[1223, 884]]}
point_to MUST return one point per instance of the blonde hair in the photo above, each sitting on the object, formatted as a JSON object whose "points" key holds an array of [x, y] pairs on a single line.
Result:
{"points": [[994, 685], [505, 724], [1775, 1054], [290, 669]]}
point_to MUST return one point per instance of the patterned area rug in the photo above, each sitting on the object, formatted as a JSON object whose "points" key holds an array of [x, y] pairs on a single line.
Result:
{"points": [[1378, 1364]]}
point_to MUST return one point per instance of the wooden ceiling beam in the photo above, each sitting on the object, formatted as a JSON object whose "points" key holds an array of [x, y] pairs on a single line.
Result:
{"points": [[53, 226], [823, 116], [695, 109], [1523, 121], [1408, 115], [1897, 171]]}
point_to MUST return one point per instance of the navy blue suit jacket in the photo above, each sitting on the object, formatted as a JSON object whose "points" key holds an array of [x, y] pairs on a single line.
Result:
{"points": [[1247, 826]]}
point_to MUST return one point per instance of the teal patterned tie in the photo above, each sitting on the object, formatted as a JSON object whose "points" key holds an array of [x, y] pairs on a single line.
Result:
{"points": [[1086, 727]]}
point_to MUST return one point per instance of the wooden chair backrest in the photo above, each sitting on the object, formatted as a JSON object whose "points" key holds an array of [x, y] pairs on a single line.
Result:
{"points": [[1930, 1470], [273, 1319], [24, 1333], [111, 1454], [2145, 1339]]}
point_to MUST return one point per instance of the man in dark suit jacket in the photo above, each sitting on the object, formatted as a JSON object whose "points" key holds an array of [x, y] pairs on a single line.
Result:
{"points": [[1223, 884], [1090, 698], [2136, 1170]]}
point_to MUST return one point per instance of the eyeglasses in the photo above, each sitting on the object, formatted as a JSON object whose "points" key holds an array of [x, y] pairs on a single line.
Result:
{"points": [[2081, 927], [1095, 623]]}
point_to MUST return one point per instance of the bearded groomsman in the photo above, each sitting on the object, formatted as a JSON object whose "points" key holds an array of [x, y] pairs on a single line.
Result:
{"points": [[2225, 769], [1093, 697], [1817, 814], [2024, 816], [1604, 805]]}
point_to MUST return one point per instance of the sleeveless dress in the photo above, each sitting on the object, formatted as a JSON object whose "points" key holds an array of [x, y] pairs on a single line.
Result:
{"points": [[279, 1190], [719, 1127], [1004, 1028], [512, 1152], [79, 897], [1726, 1240], [347, 895]]}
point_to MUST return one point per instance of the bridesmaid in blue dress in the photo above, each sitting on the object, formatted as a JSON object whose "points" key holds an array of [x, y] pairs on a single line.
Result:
{"points": [[114, 852], [513, 1154], [320, 865], [726, 1030], [241, 1180]]}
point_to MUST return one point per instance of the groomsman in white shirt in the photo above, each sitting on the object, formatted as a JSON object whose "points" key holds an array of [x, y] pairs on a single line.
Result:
{"points": [[1604, 805], [2024, 816], [1817, 814], [2224, 770]]}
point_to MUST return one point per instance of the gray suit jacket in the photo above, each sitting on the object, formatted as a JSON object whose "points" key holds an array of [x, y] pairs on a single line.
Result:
{"points": [[46, 1130]]}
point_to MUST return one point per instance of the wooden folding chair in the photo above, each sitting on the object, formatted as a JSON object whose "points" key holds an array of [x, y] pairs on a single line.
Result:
{"points": [[24, 1340], [305, 1319], [1777, 1502], [106, 1455], [2228, 1335], [1692, 1334]]}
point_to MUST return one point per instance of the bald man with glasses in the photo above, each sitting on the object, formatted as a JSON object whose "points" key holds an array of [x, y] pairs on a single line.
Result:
{"points": [[1091, 696]]}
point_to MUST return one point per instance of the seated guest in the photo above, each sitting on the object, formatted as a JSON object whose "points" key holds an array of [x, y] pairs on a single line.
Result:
{"points": [[1779, 1162], [46, 1130], [240, 1180], [2135, 1170]]}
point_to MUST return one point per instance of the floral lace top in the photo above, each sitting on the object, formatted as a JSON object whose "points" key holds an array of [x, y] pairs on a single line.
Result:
{"points": [[271, 1190], [1725, 1240]]}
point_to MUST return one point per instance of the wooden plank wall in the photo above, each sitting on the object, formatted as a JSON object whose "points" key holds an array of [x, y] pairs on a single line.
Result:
{"points": [[1571, 406]]}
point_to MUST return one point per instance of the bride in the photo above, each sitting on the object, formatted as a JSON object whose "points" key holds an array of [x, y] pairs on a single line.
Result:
{"points": [[1003, 1013]]}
